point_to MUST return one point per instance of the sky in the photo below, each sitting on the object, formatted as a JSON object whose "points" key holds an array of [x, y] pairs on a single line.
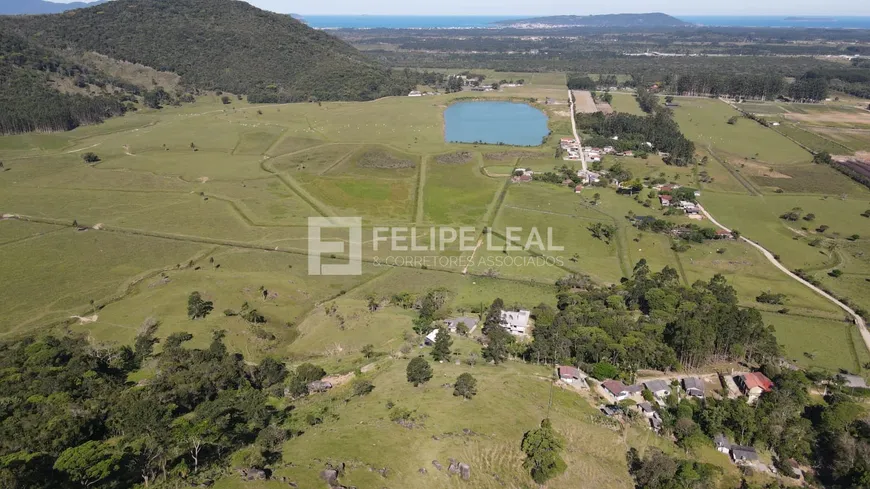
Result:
{"points": [[565, 7]]}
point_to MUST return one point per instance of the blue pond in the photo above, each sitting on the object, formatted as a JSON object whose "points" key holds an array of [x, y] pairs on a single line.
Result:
{"points": [[495, 122]]}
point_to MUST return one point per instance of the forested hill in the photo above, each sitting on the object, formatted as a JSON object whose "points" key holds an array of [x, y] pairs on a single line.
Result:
{"points": [[18, 7], [655, 19], [216, 44]]}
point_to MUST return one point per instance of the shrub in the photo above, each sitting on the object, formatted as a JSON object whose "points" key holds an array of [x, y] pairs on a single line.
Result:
{"points": [[90, 157], [465, 386]]}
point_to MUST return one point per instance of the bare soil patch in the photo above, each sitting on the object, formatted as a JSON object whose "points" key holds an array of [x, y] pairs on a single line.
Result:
{"points": [[457, 158], [755, 169], [832, 117], [583, 102], [509, 155], [604, 107], [383, 159]]}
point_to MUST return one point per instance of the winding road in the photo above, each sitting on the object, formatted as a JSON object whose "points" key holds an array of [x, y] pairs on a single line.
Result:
{"points": [[859, 321]]}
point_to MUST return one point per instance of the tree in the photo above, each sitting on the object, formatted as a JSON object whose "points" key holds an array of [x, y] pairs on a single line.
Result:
{"points": [[269, 372], [496, 349], [441, 348], [465, 386], [225, 100], [418, 371], [197, 307], [732, 120], [542, 448], [368, 350], [90, 157], [362, 387], [823, 157], [89, 463]]}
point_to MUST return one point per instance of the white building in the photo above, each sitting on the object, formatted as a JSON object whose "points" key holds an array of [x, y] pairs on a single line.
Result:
{"points": [[515, 322], [415, 93], [430, 338]]}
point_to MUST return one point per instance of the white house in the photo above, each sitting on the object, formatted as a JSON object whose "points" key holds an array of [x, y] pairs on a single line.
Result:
{"points": [[430, 338], [659, 388], [515, 322], [415, 93]]}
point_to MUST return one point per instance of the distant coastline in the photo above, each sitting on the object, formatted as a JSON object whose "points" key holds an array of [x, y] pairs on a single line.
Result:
{"points": [[490, 21]]}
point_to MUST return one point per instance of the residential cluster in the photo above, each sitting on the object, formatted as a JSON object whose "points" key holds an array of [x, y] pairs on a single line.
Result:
{"points": [[514, 322]]}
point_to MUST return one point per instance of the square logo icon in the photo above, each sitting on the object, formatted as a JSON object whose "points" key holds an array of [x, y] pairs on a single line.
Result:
{"points": [[317, 247]]}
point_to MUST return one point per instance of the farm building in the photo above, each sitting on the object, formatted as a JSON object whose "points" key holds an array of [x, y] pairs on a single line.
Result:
{"points": [[694, 387], [429, 340], [853, 381]]}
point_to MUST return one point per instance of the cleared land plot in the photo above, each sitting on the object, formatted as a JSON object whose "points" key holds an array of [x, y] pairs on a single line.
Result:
{"points": [[705, 122], [813, 138], [515, 395], [804, 178], [625, 102], [458, 194], [818, 343], [827, 115], [292, 293], [855, 139], [54, 276], [758, 219], [583, 102]]}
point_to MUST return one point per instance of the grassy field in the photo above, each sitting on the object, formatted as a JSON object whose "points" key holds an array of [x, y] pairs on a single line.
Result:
{"points": [[625, 102], [818, 343], [705, 121], [216, 199]]}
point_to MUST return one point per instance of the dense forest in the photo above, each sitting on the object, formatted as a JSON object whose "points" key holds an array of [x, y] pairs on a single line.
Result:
{"points": [[217, 45], [28, 103], [679, 326], [658, 129], [69, 417]]}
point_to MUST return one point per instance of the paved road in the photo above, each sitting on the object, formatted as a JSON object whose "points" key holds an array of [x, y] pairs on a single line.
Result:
{"points": [[859, 321], [574, 128]]}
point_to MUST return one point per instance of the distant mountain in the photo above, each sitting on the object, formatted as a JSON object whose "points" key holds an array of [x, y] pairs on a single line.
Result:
{"points": [[224, 45], [61, 70], [655, 19], [18, 7]]}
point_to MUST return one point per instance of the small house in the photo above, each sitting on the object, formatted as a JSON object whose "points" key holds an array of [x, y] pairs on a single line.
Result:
{"points": [[655, 422], [415, 93], [665, 200], [753, 384], [429, 340], [722, 443], [723, 234], [628, 153], [853, 381], [610, 410], [617, 389], [742, 454], [571, 375], [694, 387], [578, 189], [658, 387], [452, 323], [646, 409]]}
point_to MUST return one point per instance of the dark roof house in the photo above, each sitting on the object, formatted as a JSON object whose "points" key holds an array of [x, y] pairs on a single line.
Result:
{"points": [[694, 387], [741, 453]]}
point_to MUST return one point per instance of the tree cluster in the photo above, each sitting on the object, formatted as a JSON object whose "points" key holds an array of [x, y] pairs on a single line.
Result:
{"points": [[634, 132], [678, 326], [70, 418]]}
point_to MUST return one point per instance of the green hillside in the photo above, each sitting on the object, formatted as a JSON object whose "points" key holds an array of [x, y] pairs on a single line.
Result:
{"points": [[216, 44]]}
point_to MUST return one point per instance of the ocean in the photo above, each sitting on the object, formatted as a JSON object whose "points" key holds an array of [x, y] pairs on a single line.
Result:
{"points": [[482, 21]]}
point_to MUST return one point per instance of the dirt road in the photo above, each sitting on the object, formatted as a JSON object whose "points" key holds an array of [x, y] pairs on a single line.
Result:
{"points": [[859, 321]]}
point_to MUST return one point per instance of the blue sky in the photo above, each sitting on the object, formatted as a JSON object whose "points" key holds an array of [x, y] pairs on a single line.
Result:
{"points": [[558, 7]]}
